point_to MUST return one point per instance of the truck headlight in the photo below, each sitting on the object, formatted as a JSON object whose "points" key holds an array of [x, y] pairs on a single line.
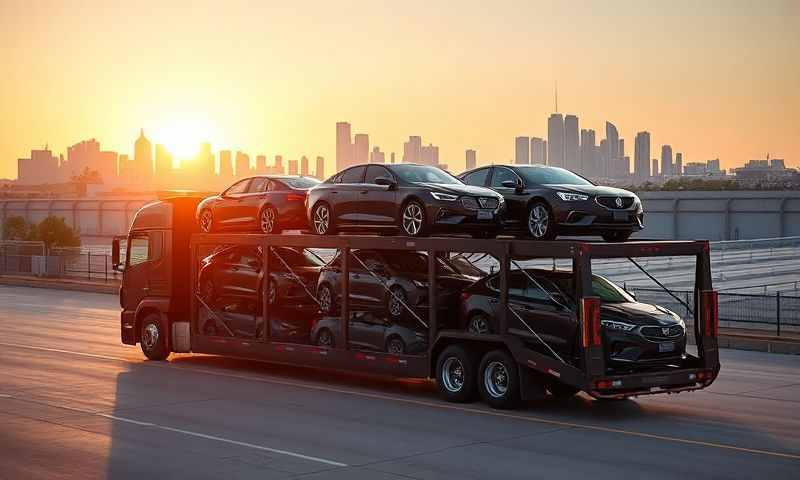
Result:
{"points": [[572, 197], [615, 325]]}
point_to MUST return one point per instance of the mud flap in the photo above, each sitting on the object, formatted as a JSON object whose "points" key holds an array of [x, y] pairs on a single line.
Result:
{"points": [[181, 340], [531, 386]]}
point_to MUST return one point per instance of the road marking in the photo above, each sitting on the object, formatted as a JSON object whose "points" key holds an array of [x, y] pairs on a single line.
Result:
{"points": [[5, 395], [442, 406]]}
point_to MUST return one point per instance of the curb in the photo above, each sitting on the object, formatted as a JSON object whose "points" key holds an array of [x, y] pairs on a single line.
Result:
{"points": [[111, 288]]}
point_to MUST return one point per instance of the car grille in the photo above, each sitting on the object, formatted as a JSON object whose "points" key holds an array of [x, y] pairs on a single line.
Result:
{"points": [[660, 333], [611, 202], [488, 202]]}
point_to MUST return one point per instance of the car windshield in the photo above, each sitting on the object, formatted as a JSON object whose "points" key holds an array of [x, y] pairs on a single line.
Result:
{"points": [[603, 288], [424, 174], [296, 258], [551, 176], [300, 182], [413, 262]]}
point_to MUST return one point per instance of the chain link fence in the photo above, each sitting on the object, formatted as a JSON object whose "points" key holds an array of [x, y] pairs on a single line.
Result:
{"points": [[29, 259]]}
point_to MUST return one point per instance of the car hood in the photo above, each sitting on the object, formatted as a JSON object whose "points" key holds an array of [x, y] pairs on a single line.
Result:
{"points": [[593, 190], [458, 189], [638, 313]]}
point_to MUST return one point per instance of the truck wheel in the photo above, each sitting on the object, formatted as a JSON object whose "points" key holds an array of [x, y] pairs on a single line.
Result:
{"points": [[153, 341], [455, 374], [499, 380]]}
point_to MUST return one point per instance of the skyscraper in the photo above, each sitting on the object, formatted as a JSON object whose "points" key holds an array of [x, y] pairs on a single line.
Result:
{"points": [[319, 170], [572, 159], [242, 164], [471, 159], [163, 162], [677, 169], [376, 156], [588, 147], [204, 163], [304, 166], [538, 151], [293, 167], [621, 151], [344, 146], [655, 167], [555, 140], [641, 155], [261, 164], [429, 155], [522, 147], [360, 148], [225, 165], [279, 164], [143, 158], [412, 150], [666, 160], [612, 149], [391, 157]]}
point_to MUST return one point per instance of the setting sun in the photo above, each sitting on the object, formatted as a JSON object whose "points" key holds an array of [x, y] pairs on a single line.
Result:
{"points": [[183, 134]]}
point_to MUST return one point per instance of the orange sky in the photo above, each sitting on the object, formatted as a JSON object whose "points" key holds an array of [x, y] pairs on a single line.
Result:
{"points": [[712, 78]]}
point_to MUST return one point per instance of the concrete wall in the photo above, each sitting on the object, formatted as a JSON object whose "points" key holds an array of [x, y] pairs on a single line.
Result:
{"points": [[736, 215]]}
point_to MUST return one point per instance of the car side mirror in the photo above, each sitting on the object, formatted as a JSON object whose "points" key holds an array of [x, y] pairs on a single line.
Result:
{"points": [[516, 185], [386, 182]]}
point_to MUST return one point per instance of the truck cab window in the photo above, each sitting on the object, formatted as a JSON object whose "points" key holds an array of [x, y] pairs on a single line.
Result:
{"points": [[139, 250]]}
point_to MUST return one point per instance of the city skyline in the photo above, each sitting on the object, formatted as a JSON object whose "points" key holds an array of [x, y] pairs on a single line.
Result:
{"points": [[182, 80]]}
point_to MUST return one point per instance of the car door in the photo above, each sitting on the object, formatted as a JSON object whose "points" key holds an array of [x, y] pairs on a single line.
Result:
{"points": [[531, 301], [365, 283], [367, 330], [343, 195], [477, 178], [516, 199], [229, 212], [242, 269], [377, 203], [252, 200]]}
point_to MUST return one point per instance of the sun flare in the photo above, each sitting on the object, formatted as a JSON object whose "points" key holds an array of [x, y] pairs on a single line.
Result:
{"points": [[182, 135]]}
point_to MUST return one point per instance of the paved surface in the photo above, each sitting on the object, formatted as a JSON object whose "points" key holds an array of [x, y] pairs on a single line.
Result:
{"points": [[75, 403]]}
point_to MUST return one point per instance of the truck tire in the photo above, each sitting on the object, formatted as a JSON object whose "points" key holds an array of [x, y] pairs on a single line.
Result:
{"points": [[455, 374], [498, 380], [153, 341]]}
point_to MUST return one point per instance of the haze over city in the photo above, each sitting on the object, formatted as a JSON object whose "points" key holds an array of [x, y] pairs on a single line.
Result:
{"points": [[273, 79]]}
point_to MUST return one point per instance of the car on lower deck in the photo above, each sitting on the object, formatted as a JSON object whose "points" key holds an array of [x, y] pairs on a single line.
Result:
{"points": [[266, 204], [636, 335], [369, 330], [415, 200], [543, 202]]}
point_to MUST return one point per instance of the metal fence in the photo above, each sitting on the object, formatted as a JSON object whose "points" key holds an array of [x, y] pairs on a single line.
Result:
{"points": [[30, 259], [778, 312]]}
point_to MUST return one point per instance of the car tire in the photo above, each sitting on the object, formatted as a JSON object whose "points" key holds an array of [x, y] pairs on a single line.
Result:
{"points": [[322, 219], [393, 306], [617, 236], [327, 299], [325, 338], [456, 375], [152, 339], [396, 346], [479, 323], [206, 221], [412, 219], [498, 380], [539, 223], [268, 221]]}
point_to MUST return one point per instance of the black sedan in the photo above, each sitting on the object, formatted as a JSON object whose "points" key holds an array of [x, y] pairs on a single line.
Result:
{"points": [[267, 204], [414, 199], [543, 202], [635, 334], [370, 331]]}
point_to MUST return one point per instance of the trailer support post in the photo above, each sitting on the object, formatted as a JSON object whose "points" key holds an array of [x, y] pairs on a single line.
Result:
{"points": [[505, 266], [265, 250], [344, 326], [433, 304]]}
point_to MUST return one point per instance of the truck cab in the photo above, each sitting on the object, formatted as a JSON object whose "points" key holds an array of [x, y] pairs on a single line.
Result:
{"points": [[154, 260]]}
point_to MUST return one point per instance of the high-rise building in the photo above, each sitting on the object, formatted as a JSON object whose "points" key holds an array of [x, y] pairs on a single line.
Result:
{"points": [[261, 164], [279, 164], [163, 163], [392, 157], [588, 148], [142, 159], [654, 171], [41, 167], [677, 169], [242, 164], [666, 160], [602, 160], [522, 148], [555, 140], [344, 146], [204, 162], [412, 150], [572, 159], [429, 155], [376, 156], [304, 166], [538, 151], [641, 155], [293, 167], [225, 166], [360, 148], [713, 166], [319, 170], [621, 151], [471, 159], [612, 149]]}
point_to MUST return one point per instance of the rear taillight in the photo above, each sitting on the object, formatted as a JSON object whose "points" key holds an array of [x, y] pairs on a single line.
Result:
{"points": [[710, 312], [465, 296], [590, 315], [294, 197]]}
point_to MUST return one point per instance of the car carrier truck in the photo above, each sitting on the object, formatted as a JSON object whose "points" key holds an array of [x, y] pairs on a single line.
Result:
{"points": [[164, 310]]}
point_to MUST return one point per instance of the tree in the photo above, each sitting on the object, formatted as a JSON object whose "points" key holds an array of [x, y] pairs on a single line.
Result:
{"points": [[54, 232], [17, 228]]}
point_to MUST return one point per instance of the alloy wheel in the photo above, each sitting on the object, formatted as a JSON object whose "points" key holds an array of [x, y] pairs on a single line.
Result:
{"points": [[538, 221], [395, 346], [325, 338], [325, 298], [322, 219], [396, 301], [412, 219], [478, 324], [206, 220], [150, 336], [267, 220]]}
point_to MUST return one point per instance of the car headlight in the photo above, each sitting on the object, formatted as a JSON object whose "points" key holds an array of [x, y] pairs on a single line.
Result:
{"points": [[615, 325], [572, 197], [419, 284], [470, 203], [446, 197]]}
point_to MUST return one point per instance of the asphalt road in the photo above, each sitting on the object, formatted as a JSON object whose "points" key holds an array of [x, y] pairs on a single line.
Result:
{"points": [[75, 403]]}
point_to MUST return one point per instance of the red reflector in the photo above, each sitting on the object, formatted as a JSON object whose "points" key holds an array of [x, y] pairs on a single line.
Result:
{"points": [[293, 197], [710, 313], [465, 296], [590, 316], [602, 384]]}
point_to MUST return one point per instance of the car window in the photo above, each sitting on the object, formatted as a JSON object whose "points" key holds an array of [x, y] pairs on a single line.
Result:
{"points": [[370, 259], [353, 175], [541, 175], [301, 182], [257, 185], [272, 186], [477, 178], [520, 286], [500, 175], [375, 171], [238, 187], [293, 258], [424, 174]]}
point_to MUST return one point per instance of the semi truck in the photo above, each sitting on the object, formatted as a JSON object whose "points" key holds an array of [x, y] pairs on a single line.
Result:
{"points": [[165, 310]]}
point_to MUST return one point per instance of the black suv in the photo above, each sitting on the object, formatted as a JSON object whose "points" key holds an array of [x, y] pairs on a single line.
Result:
{"points": [[543, 202], [634, 334]]}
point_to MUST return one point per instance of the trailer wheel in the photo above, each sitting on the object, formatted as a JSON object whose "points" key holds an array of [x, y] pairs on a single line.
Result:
{"points": [[153, 342], [455, 374], [499, 380]]}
